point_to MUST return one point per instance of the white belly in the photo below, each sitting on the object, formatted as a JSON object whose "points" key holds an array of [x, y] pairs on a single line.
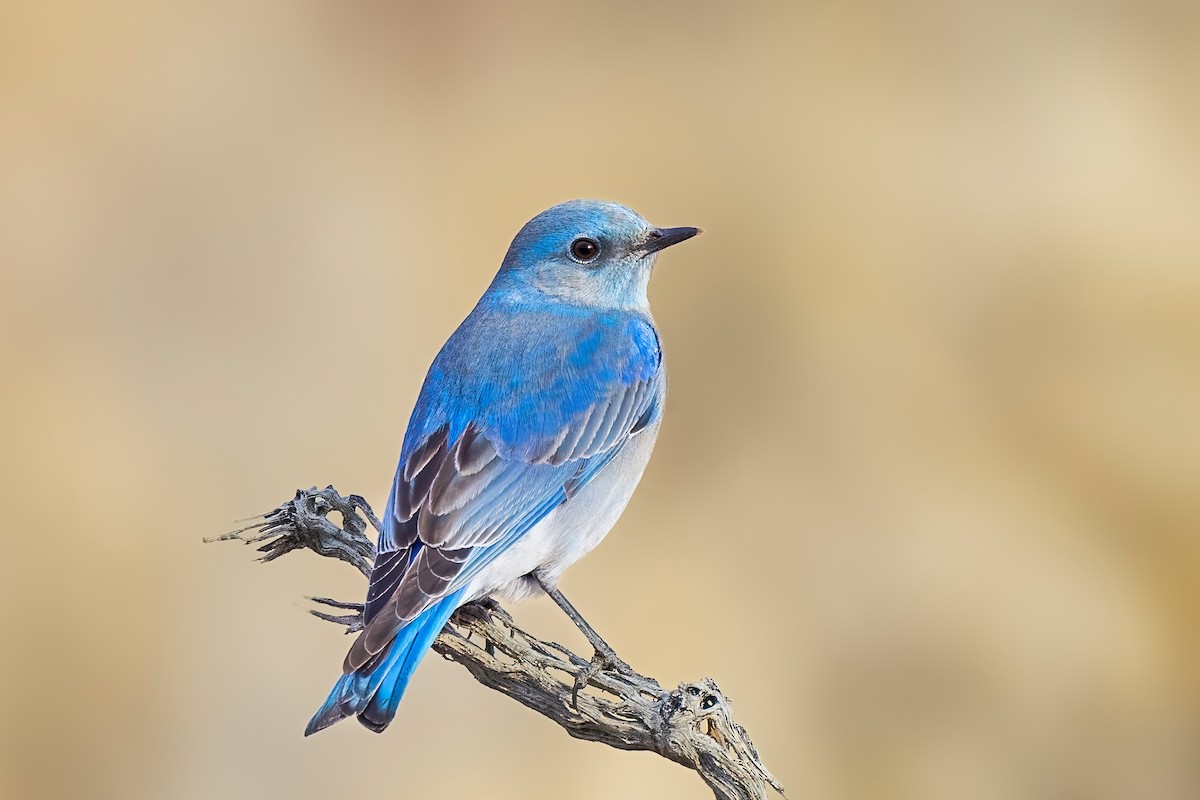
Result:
{"points": [[572, 530]]}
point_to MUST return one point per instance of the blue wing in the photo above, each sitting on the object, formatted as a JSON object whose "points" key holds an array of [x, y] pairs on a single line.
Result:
{"points": [[518, 412]]}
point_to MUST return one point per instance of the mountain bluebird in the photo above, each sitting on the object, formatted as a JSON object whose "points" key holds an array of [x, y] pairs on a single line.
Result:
{"points": [[531, 431]]}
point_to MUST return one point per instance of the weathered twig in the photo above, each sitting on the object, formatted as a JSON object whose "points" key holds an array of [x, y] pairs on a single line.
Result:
{"points": [[691, 725]]}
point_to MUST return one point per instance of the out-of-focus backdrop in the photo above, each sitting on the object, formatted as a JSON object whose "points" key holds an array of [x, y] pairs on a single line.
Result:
{"points": [[926, 499]]}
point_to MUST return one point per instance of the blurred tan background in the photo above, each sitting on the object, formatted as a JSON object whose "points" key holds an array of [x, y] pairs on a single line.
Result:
{"points": [[926, 497]]}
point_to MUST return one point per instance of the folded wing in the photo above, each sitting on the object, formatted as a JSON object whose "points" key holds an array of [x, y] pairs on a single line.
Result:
{"points": [[489, 457]]}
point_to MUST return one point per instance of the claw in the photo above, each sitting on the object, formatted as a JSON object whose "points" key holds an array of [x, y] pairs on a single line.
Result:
{"points": [[484, 609], [602, 661]]}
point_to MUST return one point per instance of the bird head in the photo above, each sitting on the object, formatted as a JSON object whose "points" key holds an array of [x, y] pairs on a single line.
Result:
{"points": [[588, 253]]}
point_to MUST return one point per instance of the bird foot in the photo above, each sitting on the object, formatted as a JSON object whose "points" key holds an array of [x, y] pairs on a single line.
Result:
{"points": [[483, 609], [604, 659]]}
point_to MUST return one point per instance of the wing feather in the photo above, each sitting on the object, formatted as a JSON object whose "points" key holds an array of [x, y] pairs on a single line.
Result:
{"points": [[491, 453], [473, 452], [574, 432]]}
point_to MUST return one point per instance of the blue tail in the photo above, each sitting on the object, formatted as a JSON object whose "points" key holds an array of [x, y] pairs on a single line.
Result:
{"points": [[373, 692]]}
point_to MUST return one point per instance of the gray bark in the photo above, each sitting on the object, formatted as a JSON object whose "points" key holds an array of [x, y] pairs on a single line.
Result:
{"points": [[691, 724]]}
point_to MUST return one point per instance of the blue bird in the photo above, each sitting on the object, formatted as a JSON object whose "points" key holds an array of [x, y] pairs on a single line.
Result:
{"points": [[533, 427]]}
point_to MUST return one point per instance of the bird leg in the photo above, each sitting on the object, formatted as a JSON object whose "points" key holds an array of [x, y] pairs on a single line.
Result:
{"points": [[602, 648], [603, 656]]}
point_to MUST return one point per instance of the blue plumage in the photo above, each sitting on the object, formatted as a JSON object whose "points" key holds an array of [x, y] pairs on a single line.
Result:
{"points": [[374, 694], [525, 371], [531, 431]]}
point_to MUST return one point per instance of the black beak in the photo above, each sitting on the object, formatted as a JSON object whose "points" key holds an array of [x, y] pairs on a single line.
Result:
{"points": [[662, 238]]}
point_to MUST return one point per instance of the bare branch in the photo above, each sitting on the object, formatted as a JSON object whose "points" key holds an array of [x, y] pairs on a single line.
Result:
{"points": [[691, 725]]}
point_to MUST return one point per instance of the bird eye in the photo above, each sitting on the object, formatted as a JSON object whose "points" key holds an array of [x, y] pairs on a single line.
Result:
{"points": [[584, 249]]}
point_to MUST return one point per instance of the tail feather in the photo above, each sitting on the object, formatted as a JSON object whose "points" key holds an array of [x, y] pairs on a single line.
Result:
{"points": [[373, 693], [382, 706]]}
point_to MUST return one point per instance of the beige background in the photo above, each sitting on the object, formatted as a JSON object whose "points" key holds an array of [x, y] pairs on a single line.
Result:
{"points": [[925, 501]]}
